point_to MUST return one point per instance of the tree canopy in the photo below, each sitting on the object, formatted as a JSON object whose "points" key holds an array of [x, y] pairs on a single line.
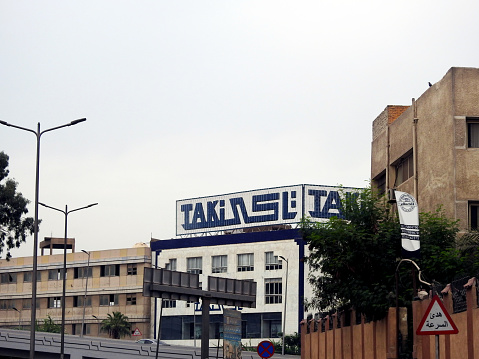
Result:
{"points": [[14, 225], [353, 260], [117, 325]]}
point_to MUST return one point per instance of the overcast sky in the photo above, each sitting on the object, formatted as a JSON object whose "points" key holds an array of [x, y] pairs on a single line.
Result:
{"points": [[196, 98]]}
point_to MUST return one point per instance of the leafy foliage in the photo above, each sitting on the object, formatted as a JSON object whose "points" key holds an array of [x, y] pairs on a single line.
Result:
{"points": [[117, 325], [468, 247], [49, 326], [353, 260], [14, 226]]}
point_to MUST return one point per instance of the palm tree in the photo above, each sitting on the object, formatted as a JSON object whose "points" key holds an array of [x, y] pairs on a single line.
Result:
{"points": [[117, 325]]}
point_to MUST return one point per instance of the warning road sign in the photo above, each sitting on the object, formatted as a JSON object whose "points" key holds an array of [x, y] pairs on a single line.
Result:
{"points": [[436, 320], [136, 332]]}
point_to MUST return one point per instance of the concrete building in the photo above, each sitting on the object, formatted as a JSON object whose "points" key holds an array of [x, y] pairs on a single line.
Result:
{"points": [[115, 283], [431, 148]]}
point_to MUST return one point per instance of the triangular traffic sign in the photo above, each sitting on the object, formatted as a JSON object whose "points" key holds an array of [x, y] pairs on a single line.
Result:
{"points": [[136, 332], [436, 320]]}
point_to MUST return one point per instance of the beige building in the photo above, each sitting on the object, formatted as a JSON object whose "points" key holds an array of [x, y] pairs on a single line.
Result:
{"points": [[115, 283], [431, 148]]}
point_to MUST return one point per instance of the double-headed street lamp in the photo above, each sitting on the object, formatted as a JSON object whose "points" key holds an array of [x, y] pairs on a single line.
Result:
{"points": [[285, 296], [38, 135], [66, 212]]}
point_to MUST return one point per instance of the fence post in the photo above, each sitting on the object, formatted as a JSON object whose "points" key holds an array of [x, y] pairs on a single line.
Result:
{"points": [[471, 300], [302, 326]]}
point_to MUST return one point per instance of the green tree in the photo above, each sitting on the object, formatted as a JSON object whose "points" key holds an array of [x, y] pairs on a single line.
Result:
{"points": [[117, 325], [14, 226], [354, 259], [49, 326]]}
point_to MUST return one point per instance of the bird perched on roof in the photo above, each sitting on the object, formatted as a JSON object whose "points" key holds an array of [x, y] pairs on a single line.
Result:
{"points": [[430, 84]]}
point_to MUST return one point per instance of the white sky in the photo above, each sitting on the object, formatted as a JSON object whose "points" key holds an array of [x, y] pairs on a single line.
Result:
{"points": [[197, 98]]}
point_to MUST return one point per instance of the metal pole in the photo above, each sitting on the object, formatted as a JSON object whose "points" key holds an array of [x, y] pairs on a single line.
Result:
{"points": [[38, 134], [98, 322], [86, 289], [33, 321], [285, 297], [62, 340], [19, 318], [65, 212], [205, 327], [159, 329]]}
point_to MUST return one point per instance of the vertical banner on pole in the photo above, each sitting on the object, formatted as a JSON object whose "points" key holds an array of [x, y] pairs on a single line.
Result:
{"points": [[409, 220], [232, 334]]}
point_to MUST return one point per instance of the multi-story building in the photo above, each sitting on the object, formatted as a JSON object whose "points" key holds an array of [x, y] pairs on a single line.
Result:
{"points": [[431, 148], [115, 283], [252, 256]]}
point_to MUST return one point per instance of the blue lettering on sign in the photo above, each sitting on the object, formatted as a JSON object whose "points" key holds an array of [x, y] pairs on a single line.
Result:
{"points": [[264, 208], [331, 207], [332, 203]]}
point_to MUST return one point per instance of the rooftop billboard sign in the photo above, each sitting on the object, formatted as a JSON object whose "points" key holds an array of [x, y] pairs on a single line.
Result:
{"points": [[263, 207]]}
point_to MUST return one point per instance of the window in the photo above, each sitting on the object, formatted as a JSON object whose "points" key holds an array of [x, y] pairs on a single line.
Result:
{"points": [[404, 169], [27, 276], [219, 264], [131, 299], [111, 270], [474, 215], [6, 304], [78, 301], [272, 328], [473, 132], [245, 262], [6, 278], [194, 265], [169, 303], [171, 265], [131, 269], [55, 274], [54, 302], [273, 289], [82, 272], [272, 261], [27, 303], [189, 303], [380, 183], [76, 329], [109, 300]]}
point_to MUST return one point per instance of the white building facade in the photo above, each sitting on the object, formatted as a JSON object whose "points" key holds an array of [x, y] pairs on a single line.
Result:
{"points": [[248, 236]]}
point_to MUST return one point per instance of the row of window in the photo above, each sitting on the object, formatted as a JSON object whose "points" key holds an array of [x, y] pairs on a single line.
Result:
{"points": [[219, 264], [111, 270], [253, 325], [56, 302], [273, 293]]}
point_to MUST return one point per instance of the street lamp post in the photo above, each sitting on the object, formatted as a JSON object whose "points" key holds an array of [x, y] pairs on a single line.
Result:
{"points": [[38, 135], [86, 289], [19, 318], [285, 296], [99, 328], [66, 212]]}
